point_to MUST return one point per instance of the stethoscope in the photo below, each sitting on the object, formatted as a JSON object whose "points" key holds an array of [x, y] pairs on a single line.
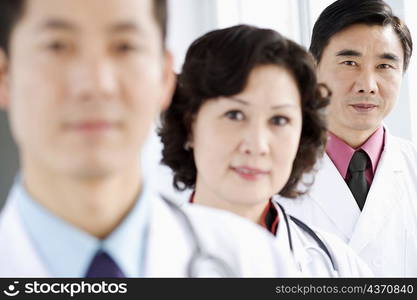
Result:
{"points": [[200, 259], [327, 257], [218, 266]]}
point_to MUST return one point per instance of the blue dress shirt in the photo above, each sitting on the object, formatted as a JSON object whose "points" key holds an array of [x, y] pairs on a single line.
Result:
{"points": [[67, 251]]}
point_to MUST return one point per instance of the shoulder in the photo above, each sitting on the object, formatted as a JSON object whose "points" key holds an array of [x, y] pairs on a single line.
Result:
{"points": [[206, 216], [246, 247], [18, 257], [322, 254], [403, 152], [9, 236], [300, 207], [9, 221], [347, 261], [402, 145], [232, 230]]}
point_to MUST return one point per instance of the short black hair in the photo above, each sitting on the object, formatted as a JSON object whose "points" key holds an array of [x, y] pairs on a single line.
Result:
{"points": [[344, 13], [10, 13], [12, 10], [219, 64]]}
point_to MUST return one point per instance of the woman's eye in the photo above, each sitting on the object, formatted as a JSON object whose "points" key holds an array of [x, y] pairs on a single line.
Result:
{"points": [[280, 121], [235, 115]]}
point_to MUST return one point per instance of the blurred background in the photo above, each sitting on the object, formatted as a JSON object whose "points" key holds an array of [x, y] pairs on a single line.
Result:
{"points": [[189, 19]]}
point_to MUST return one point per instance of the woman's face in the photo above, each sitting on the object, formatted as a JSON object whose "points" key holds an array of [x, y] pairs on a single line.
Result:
{"points": [[245, 145]]}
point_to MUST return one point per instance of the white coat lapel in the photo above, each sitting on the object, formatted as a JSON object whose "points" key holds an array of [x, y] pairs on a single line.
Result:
{"points": [[386, 188], [18, 257], [333, 196], [168, 250], [297, 253]]}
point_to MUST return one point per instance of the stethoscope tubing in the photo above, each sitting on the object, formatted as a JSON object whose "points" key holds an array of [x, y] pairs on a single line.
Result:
{"points": [[303, 226], [198, 253], [223, 269]]}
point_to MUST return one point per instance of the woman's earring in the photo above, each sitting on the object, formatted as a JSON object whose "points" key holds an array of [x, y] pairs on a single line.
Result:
{"points": [[187, 146]]}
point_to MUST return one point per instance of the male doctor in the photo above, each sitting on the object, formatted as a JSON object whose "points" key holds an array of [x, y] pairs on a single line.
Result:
{"points": [[365, 190], [82, 82]]}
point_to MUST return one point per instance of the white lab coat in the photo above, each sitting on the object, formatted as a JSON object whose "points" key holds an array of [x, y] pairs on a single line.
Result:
{"points": [[384, 234], [312, 261], [248, 250]]}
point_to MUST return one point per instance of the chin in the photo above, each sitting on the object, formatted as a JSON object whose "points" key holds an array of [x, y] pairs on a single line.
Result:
{"points": [[250, 196], [365, 126], [92, 167], [92, 172]]}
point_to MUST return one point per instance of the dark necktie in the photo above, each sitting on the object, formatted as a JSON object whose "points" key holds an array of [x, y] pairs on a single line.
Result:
{"points": [[103, 265], [356, 180]]}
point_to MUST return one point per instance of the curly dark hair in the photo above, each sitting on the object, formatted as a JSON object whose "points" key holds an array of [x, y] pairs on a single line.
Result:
{"points": [[219, 64]]}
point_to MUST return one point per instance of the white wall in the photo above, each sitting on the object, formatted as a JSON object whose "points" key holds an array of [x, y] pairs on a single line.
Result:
{"points": [[188, 19], [410, 9]]}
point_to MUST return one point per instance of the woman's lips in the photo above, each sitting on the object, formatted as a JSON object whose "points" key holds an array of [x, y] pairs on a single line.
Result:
{"points": [[249, 173]]}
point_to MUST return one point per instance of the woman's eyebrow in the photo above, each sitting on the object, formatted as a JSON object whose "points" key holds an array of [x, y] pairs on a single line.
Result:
{"points": [[247, 103]]}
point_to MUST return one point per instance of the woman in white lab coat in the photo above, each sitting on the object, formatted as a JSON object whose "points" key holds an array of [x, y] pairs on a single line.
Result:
{"points": [[247, 122]]}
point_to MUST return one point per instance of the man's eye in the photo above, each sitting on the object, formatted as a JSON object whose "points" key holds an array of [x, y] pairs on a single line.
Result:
{"points": [[125, 48], [235, 115], [349, 63], [280, 121], [385, 66], [58, 46]]}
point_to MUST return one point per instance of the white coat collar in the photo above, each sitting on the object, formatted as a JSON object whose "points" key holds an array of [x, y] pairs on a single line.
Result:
{"points": [[360, 228], [328, 184], [283, 238], [162, 247], [18, 258], [384, 193]]}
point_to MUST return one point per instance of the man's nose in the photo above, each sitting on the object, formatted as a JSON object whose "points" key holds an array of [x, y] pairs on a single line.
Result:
{"points": [[366, 83], [93, 77]]}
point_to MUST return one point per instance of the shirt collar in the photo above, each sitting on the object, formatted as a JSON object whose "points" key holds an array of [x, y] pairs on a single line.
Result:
{"points": [[67, 251], [341, 153], [270, 218], [127, 243], [374, 147]]}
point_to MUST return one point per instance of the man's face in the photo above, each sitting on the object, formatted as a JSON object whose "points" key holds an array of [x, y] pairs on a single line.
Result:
{"points": [[85, 80], [363, 67]]}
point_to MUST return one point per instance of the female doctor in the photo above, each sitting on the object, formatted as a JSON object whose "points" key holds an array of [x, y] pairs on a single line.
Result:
{"points": [[246, 122]]}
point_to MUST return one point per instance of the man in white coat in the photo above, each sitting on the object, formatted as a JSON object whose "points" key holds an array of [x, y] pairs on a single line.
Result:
{"points": [[365, 190], [82, 87]]}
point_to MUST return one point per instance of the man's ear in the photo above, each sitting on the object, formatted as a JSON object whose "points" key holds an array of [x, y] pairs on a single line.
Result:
{"points": [[169, 80], [4, 85]]}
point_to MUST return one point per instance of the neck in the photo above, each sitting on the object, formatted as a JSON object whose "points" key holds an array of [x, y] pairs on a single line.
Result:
{"points": [[354, 138], [94, 205], [250, 211]]}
